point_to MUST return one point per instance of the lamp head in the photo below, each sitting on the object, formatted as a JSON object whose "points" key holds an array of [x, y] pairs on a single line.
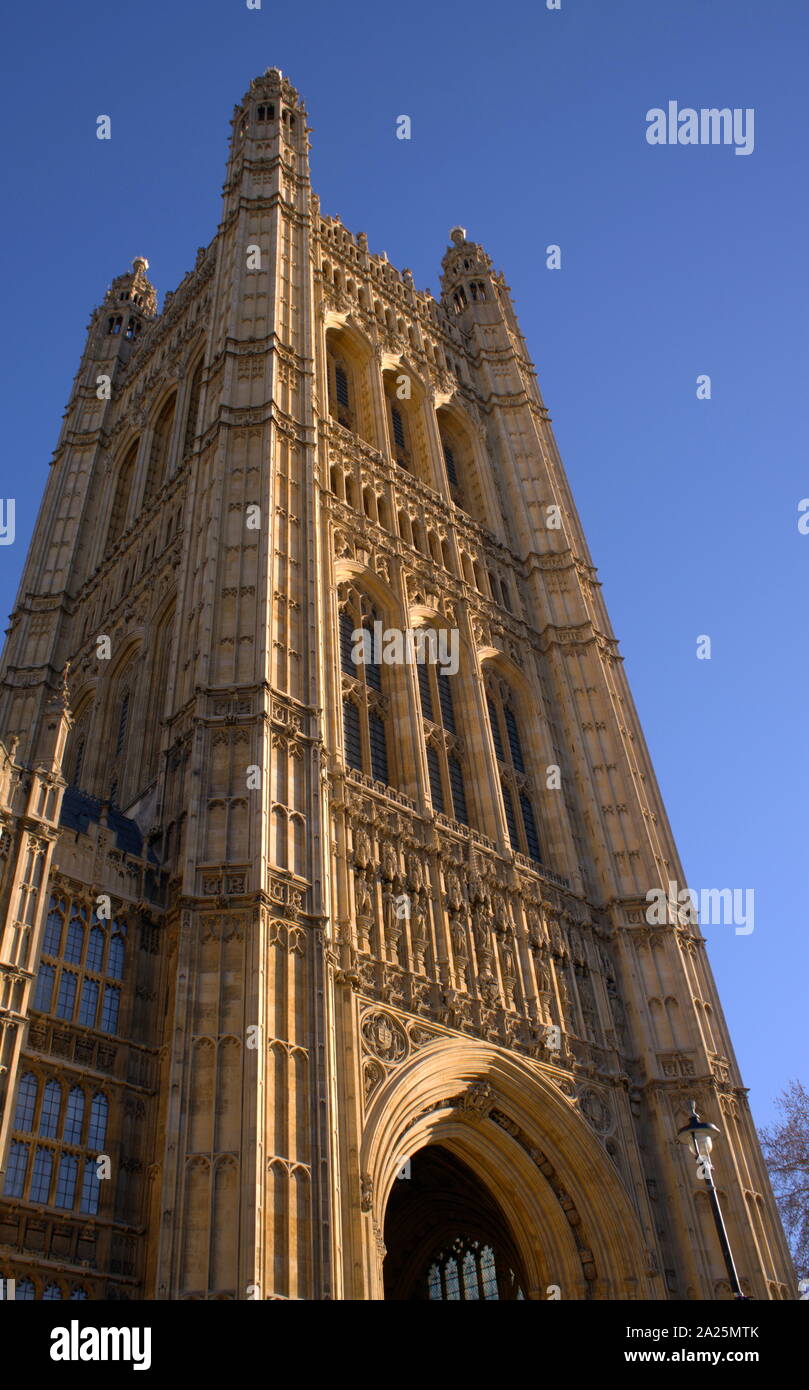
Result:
{"points": [[698, 1133]]}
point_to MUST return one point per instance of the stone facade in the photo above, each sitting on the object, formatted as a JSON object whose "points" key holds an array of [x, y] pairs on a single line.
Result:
{"points": [[277, 923]]}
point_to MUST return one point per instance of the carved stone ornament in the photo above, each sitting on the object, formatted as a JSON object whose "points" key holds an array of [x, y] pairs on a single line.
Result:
{"points": [[384, 1037]]}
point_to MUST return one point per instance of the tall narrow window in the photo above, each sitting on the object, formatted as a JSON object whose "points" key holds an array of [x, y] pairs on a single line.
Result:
{"points": [[444, 748], [518, 794], [456, 782], [39, 1190], [26, 1104], [16, 1169], [123, 716], [159, 452], [66, 1181], [445, 697], [511, 819], [120, 501], [351, 735], [531, 836], [88, 1005], [53, 931], [365, 697], [78, 760], [51, 1106], [379, 747], [110, 1009], [97, 1129], [192, 410], [434, 770], [339, 391], [347, 643], [398, 427], [425, 690], [74, 1115], [515, 747], [74, 945], [90, 1188], [115, 963], [43, 993], [66, 997]]}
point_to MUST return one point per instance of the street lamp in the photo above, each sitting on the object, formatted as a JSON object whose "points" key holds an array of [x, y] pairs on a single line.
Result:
{"points": [[698, 1134]]}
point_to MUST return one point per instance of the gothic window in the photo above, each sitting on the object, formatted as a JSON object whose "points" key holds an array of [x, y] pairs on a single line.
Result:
{"points": [[120, 501], [74, 1116], [95, 951], [26, 1104], [457, 787], [66, 1181], [378, 745], [459, 462], [436, 787], [341, 391], [467, 1272], [519, 797], [40, 1185], [97, 1128], [348, 358], [25, 1290], [266, 113], [365, 697], [51, 1107], [43, 993], [52, 1292], [445, 754], [398, 429], [159, 451], [50, 1174], [404, 427], [446, 1237], [78, 759], [16, 1169], [192, 411], [351, 734], [90, 1190], [123, 716]]}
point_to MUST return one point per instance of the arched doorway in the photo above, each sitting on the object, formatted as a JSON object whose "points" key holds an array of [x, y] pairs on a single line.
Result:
{"points": [[446, 1237]]}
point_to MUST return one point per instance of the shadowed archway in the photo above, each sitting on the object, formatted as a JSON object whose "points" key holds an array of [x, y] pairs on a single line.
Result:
{"points": [[446, 1237]]}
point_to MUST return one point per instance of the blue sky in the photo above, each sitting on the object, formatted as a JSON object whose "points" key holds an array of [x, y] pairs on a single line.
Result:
{"points": [[675, 262]]}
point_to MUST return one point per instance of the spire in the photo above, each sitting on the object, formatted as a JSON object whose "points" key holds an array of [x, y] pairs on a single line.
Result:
{"points": [[467, 273], [133, 297]]}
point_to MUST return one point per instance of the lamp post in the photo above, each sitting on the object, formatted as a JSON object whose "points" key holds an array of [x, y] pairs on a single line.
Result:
{"points": [[698, 1134]]}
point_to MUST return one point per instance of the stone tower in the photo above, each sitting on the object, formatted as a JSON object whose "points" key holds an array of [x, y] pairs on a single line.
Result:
{"points": [[327, 970]]}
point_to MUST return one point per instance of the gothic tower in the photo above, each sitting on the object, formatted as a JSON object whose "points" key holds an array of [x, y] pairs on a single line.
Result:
{"points": [[327, 970]]}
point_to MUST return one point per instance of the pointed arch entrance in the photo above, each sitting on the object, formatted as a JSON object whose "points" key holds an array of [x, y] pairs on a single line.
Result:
{"points": [[446, 1236], [551, 1199]]}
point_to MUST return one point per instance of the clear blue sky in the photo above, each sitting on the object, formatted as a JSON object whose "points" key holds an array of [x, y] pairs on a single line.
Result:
{"points": [[676, 262]]}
